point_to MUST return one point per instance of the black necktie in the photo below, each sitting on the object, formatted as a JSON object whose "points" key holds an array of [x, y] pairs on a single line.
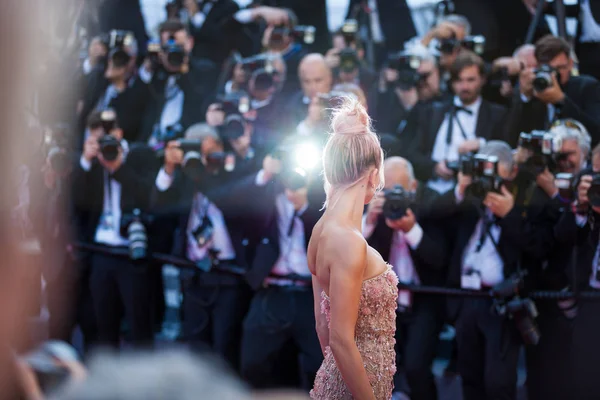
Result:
{"points": [[292, 222], [460, 108]]}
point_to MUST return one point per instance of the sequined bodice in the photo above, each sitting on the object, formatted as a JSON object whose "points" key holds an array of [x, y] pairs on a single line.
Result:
{"points": [[374, 337]]}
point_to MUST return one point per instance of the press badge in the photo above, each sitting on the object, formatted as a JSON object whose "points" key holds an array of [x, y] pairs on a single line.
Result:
{"points": [[471, 280]]}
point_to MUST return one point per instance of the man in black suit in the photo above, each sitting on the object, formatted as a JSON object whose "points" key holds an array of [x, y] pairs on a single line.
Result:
{"points": [[109, 184], [201, 204], [493, 238], [180, 92], [443, 130], [576, 97], [282, 308], [416, 249], [390, 24]]}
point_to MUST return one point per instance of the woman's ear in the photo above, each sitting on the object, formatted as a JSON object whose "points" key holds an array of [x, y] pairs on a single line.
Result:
{"points": [[374, 178]]}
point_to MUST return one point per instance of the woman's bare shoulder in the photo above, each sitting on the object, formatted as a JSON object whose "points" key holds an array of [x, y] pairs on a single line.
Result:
{"points": [[344, 245]]}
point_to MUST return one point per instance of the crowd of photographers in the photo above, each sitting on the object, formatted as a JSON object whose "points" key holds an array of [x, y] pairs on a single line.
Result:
{"points": [[204, 148]]}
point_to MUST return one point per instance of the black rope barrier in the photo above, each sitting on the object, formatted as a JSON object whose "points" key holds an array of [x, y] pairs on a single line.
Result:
{"points": [[431, 290]]}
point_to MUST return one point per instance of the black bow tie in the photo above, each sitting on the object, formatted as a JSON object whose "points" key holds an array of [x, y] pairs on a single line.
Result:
{"points": [[461, 108]]}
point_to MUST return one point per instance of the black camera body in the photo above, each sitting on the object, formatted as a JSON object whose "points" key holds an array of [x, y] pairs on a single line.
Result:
{"points": [[545, 148], [448, 45], [593, 192], [116, 41], [474, 43], [134, 228], [234, 105], [109, 147], [302, 33], [260, 70], [565, 182], [349, 61], [407, 66], [174, 52], [543, 77], [349, 31], [397, 201], [484, 173]]}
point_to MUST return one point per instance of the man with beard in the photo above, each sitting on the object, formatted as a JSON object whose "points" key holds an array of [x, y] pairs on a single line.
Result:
{"points": [[445, 130]]}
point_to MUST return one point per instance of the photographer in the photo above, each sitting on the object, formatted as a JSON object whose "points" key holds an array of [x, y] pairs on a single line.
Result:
{"points": [[444, 130], [578, 230], [346, 59], [110, 181], [287, 208], [218, 27], [549, 372], [549, 91], [181, 86], [494, 237], [409, 80], [396, 224], [288, 40], [196, 197], [305, 108], [116, 85]]}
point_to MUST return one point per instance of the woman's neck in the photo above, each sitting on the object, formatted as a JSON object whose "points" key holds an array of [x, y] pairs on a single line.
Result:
{"points": [[348, 205]]}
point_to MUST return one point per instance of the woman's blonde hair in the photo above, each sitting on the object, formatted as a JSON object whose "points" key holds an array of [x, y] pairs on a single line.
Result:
{"points": [[351, 150]]}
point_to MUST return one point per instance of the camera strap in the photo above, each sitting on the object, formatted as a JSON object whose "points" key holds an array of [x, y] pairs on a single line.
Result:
{"points": [[487, 230]]}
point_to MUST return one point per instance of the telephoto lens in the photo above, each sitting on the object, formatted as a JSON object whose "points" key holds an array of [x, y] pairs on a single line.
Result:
{"points": [[109, 147], [138, 238]]}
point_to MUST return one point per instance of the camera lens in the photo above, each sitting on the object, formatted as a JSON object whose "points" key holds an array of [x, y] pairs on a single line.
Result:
{"points": [[138, 240], [233, 128], [542, 81], [397, 201], [109, 147]]}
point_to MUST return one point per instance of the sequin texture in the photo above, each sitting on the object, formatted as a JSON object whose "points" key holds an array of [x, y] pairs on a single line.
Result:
{"points": [[375, 330]]}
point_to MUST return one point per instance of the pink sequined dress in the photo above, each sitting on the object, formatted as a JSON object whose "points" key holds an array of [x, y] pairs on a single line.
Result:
{"points": [[375, 330]]}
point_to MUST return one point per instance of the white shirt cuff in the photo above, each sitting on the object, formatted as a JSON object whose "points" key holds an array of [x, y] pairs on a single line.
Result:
{"points": [[414, 236], [243, 16], [303, 129], [581, 220], [163, 180], [367, 229], [85, 164], [145, 75], [524, 98], [482, 142], [228, 87], [261, 179], [459, 198], [198, 20]]}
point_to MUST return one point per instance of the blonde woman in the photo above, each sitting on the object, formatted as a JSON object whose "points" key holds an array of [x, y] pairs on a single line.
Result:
{"points": [[355, 290]]}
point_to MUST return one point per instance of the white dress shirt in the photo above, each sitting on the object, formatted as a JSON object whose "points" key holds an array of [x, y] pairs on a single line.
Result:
{"points": [[292, 248], [171, 112], [220, 240], [487, 262], [109, 229], [376, 32], [154, 13], [449, 152], [590, 30]]}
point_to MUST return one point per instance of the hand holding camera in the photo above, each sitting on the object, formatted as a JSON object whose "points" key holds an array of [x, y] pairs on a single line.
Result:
{"points": [[585, 183], [501, 203], [404, 224], [469, 146], [442, 170], [375, 208], [549, 92], [463, 182], [91, 148], [545, 180], [526, 78]]}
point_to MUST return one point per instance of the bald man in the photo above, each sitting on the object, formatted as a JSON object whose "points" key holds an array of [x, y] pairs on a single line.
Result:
{"points": [[414, 245], [315, 78]]}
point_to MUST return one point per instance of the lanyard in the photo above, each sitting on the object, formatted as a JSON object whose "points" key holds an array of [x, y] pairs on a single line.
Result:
{"points": [[108, 207]]}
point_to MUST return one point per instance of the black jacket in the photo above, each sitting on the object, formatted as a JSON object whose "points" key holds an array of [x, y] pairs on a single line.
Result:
{"points": [[490, 125]]}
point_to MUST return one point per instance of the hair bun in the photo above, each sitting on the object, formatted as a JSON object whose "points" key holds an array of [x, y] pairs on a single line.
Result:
{"points": [[350, 118]]}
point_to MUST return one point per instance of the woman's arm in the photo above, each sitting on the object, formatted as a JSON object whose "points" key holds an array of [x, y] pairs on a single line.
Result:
{"points": [[320, 319], [345, 285]]}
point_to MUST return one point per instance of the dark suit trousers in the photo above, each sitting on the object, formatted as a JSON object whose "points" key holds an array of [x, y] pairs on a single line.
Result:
{"points": [[549, 373], [417, 332], [585, 353], [276, 316], [120, 287], [488, 352], [213, 315]]}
